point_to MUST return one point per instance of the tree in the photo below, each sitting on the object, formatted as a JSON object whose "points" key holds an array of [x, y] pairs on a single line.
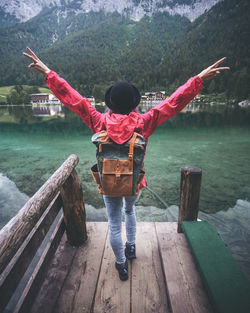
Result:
{"points": [[18, 88], [25, 97], [211, 87], [98, 92], [14, 97], [33, 89], [241, 90]]}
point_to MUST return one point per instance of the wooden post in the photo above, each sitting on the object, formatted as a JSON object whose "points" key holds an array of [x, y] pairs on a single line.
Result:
{"points": [[74, 210], [189, 195]]}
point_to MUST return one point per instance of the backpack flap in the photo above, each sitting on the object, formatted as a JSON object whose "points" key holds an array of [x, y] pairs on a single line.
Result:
{"points": [[117, 177], [117, 167]]}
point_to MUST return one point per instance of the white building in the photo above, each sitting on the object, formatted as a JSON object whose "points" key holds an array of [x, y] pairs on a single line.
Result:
{"points": [[44, 99]]}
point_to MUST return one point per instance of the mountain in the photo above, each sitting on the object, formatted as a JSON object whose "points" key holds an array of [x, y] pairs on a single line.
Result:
{"points": [[95, 49], [23, 10], [13, 11], [222, 31], [159, 51]]}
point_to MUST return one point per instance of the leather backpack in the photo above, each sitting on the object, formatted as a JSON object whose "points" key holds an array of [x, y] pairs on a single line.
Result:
{"points": [[119, 169]]}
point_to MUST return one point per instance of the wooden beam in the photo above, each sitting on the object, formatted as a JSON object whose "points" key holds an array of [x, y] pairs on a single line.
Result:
{"points": [[148, 290], [112, 294], [74, 210], [78, 291], [15, 270], [185, 288], [189, 195], [58, 271], [35, 280], [14, 233], [72, 276]]}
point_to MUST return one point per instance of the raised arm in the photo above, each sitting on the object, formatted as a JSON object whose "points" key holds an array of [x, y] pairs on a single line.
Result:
{"points": [[180, 98], [65, 93]]}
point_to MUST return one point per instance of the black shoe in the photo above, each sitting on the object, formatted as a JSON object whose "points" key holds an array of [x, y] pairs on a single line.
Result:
{"points": [[123, 270], [130, 251]]}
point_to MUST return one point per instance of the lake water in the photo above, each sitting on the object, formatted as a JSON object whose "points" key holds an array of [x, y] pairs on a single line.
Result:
{"points": [[33, 147]]}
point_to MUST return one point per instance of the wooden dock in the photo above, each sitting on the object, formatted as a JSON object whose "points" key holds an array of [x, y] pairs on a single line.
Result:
{"points": [[76, 271], [163, 278]]}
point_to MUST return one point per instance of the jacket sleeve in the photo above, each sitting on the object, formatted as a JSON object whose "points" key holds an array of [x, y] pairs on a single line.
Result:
{"points": [[73, 100], [172, 105]]}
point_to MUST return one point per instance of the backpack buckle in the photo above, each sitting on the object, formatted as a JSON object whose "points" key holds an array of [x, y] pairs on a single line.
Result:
{"points": [[117, 175]]}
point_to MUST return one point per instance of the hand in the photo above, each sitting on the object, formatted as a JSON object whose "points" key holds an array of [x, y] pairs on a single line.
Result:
{"points": [[37, 63], [212, 71]]}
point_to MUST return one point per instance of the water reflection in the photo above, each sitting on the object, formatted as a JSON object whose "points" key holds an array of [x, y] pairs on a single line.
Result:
{"points": [[43, 111], [195, 115], [21, 114]]}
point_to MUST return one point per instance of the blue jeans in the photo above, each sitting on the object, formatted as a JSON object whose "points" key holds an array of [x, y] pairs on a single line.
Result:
{"points": [[114, 210]]}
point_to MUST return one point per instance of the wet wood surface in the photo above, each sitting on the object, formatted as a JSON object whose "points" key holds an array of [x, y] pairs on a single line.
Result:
{"points": [[163, 277]]}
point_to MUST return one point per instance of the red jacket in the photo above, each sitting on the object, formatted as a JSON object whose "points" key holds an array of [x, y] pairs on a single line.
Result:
{"points": [[121, 127]]}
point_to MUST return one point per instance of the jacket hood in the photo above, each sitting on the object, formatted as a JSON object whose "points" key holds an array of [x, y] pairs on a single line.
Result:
{"points": [[121, 127]]}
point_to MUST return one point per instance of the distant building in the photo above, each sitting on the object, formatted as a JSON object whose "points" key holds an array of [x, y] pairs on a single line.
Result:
{"points": [[151, 99], [160, 95], [44, 99]]}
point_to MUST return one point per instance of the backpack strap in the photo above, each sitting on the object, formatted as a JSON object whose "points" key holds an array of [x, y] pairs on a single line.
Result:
{"points": [[131, 146], [131, 151]]}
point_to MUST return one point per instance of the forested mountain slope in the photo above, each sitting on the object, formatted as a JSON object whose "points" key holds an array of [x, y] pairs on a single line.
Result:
{"points": [[222, 31], [157, 52]]}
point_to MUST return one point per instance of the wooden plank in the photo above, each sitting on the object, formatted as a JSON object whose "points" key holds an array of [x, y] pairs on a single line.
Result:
{"points": [[77, 294], [13, 234], [35, 281], [15, 270], [149, 294], [185, 288], [112, 294], [54, 278]]}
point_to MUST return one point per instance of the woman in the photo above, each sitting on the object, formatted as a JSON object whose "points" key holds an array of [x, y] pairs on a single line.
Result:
{"points": [[121, 122]]}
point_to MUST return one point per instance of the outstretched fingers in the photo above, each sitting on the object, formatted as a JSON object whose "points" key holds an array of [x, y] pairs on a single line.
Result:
{"points": [[218, 62], [36, 64], [213, 70], [32, 56], [32, 53], [28, 56], [218, 69]]}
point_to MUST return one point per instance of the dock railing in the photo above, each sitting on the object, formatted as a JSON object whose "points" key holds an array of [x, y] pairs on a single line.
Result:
{"points": [[22, 236]]}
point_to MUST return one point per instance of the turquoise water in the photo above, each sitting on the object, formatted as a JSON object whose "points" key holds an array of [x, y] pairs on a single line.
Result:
{"points": [[30, 152]]}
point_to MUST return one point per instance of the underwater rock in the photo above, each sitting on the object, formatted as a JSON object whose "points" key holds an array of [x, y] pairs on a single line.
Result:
{"points": [[11, 199]]}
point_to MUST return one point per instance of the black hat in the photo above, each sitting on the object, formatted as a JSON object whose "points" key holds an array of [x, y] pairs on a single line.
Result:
{"points": [[122, 98]]}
